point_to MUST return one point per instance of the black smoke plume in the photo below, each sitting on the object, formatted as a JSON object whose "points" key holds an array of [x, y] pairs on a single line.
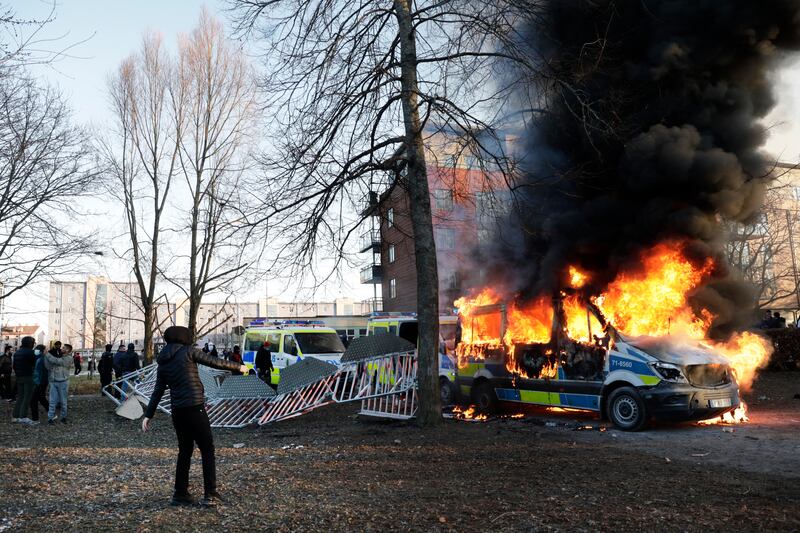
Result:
{"points": [[651, 132]]}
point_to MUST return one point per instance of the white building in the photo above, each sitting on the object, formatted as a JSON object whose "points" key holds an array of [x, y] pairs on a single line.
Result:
{"points": [[96, 312], [12, 335], [92, 313]]}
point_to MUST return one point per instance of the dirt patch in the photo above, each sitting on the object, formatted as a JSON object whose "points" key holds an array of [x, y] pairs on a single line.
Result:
{"points": [[330, 470]]}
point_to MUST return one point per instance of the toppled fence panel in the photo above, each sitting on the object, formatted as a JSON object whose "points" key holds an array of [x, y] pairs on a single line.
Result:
{"points": [[379, 371]]}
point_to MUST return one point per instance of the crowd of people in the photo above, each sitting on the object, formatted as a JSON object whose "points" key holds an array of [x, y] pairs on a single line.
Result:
{"points": [[41, 377], [774, 320]]}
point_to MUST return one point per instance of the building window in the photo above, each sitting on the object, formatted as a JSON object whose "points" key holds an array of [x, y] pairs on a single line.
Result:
{"points": [[391, 253], [443, 199], [445, 238], [796, 193], [390, 217], [393, 288]]}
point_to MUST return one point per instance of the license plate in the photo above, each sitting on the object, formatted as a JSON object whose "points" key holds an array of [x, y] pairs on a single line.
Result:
{"points": [[724, 402]]}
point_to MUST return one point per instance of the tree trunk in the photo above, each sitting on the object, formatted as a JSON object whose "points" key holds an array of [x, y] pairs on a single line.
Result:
{"points": [[430, 411], [148, 335]]}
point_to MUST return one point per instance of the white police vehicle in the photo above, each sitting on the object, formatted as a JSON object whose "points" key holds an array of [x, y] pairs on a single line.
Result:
{"points": [[290, 341]]}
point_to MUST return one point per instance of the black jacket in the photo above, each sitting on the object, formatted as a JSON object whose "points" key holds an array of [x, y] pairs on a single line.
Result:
{"points": [[5, 364], [177, 369], [106, 366], [118, 361], [263, 360], [131, 360], [24, 361]]}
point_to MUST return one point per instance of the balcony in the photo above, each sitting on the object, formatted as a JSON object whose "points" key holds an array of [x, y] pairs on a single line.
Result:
{"points": [[374, 305], [370, 241], [371, 274], [369, 205]]}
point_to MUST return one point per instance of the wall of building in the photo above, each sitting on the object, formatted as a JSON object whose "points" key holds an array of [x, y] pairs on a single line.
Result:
{"points": [[466, 202]]}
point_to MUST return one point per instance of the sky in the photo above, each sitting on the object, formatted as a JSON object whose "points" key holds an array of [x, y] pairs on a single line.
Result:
{"points": [[101, 33], [104, 32]]}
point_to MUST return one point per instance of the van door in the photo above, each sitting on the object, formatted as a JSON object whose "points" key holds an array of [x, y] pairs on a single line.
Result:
{"points": [[279, 356], [290, 350]]}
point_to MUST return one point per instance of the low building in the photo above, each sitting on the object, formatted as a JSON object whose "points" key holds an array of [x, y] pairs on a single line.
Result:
{"points": [[12, 335]]}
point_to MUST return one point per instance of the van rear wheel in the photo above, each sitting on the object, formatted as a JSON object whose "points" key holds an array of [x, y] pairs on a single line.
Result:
{"points": [[446, 393], [626, 409], [485, 398]]}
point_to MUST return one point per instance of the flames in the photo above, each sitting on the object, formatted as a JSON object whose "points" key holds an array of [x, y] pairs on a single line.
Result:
{"points": [[653, 300], [737, 416], [650, 299]]}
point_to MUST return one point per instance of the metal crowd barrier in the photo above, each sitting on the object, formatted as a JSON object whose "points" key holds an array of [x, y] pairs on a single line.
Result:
{"points": [[380, 371]]}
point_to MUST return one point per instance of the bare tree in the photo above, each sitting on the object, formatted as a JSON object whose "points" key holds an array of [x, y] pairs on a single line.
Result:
{"points": [[143, 159], [352, 85], [219, 105], [46, 170], [762, 250]]}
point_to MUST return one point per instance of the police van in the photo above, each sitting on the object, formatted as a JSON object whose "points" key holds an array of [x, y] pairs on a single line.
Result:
{"points": [[405, 325], [629, 380], [290, 341]]}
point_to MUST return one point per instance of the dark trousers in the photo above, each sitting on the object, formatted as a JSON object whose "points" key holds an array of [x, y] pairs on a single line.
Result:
{"points": [[105, 381], [6, 392], [24, 393], [39, 397], [192, 427]]}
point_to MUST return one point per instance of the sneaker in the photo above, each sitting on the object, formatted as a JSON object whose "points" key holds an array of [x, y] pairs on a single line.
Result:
{"points": [[212, 499], [15, 420], [25, 421], [33, 423], [64, 420], [182, 500], [51, 422]]}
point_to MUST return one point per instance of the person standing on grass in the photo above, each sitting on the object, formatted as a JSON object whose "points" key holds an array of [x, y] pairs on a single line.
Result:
{"points": [[6, 365], [24, 362], [58, 364], [177, 369], [236, 356], [263, 363], [105, 367], [131, 360], [76, 359], [40, 382]]}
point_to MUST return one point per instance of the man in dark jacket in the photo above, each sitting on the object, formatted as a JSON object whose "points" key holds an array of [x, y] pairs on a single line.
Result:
{"points": [[264, 363], [105, 367], [24, 361], [119, 362], [177, 369], [131, 360], [40, 382]]}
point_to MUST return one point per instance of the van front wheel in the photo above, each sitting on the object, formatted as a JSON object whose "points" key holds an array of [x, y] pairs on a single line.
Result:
{"points": [[626, 409]]}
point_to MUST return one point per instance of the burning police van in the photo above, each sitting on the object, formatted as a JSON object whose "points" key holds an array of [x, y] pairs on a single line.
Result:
{"points": [[584, 363]]}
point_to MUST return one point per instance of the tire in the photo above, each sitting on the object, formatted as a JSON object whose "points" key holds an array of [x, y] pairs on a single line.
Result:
{"points": [[485, 398], [626, 409], [446, 393]]}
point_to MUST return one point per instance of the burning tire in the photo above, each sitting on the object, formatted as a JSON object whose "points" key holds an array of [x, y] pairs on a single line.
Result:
{"points": [[446, 392], [626, 409], [484, 398]]}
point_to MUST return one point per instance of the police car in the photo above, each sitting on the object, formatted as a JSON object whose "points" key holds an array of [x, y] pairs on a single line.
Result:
{"points": [[289, 341], [629, 380], [405, 325]]}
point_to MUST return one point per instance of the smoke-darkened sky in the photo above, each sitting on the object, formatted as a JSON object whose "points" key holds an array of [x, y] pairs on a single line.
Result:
{"points": [[655, 130]]}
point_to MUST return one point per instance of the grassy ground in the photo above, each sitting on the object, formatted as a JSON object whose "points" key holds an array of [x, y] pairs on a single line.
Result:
{"points": [[332, 471]]}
